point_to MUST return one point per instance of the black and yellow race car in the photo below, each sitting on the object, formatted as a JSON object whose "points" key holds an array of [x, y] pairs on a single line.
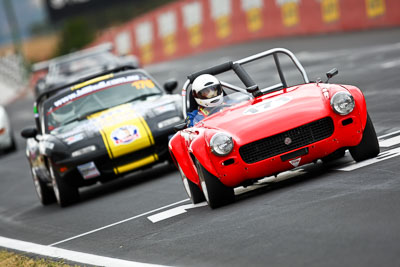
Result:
{"points": [[99, 129]]}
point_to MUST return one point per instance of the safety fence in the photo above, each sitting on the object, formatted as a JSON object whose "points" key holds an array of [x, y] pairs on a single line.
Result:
{"points": [[190, 26]]}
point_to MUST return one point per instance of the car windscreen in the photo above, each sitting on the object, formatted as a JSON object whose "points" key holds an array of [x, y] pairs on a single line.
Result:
{"points": [[92, 97]]}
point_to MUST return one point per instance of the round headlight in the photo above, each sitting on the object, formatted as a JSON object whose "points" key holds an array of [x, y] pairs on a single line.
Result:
{"points": [[342, 103], [221, 144]]}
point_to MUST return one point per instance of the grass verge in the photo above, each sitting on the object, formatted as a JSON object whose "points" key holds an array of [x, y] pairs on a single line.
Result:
{"points": [[12, 259]]}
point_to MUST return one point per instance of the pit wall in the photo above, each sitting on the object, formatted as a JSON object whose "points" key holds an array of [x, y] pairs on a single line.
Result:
{"points": [[186, 27]]}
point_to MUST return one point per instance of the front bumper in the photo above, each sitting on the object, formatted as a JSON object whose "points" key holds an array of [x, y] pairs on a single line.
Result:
{"points": [[106, 168], [233, 170]]}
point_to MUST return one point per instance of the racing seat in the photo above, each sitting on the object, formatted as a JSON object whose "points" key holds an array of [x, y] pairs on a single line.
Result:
{"points": [[192, 104]]}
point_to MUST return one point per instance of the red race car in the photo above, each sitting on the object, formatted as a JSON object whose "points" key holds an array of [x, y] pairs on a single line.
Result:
{"points": [[260, 131]]}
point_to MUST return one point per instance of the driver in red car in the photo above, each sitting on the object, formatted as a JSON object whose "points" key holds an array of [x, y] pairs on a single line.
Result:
{"points": [[207, 92]]}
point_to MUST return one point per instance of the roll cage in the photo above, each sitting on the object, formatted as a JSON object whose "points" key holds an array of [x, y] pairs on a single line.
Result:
{"points": [[237, 66]]}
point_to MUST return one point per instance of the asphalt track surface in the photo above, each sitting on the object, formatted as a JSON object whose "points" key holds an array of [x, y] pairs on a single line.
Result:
{"points": [[341, 214]]}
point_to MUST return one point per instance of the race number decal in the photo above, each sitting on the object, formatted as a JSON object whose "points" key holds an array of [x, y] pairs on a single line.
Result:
{"points": [[267, 105], [142, 84]]}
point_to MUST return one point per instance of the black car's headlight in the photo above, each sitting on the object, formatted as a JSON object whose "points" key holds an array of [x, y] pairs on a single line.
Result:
{"points": [[83, 151], [221, 144], [342, 103]]}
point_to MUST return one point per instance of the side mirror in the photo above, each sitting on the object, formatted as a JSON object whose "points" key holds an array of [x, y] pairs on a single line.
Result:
{"points": [[331, 73], [170, 85], [30, 132]]}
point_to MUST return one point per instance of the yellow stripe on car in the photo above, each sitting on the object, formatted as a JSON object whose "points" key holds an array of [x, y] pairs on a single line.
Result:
{"points": [[95, 80], [137, 164], [124, 131]]}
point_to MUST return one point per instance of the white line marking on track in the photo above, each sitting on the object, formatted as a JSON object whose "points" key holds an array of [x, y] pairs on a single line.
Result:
{"points": [[74, 256], [174, 212], [382, 156], [389, 134], [390, 142], [116, 223]]}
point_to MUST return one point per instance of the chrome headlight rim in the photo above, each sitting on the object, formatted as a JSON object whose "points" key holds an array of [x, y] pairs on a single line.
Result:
{"points": [[215, 144], [338, 99]]}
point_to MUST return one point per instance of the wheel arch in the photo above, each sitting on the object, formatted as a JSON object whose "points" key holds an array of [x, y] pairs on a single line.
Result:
{"points": [[361, 104], [181, 156]]}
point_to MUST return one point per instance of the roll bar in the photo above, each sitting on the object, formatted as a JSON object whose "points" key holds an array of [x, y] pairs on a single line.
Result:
{"points": [[237, 67]]}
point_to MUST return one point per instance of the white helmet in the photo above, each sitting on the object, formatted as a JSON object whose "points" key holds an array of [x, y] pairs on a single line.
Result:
{"points": [[207, 91]]}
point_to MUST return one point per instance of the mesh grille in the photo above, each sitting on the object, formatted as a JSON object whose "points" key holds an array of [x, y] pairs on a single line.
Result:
{"points": [[275, 145]]}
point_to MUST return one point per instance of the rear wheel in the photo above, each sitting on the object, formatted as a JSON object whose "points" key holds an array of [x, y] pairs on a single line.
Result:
{"points": [[44, 192], [215, 192], [369, 145], [192, 190], [65, 193]]}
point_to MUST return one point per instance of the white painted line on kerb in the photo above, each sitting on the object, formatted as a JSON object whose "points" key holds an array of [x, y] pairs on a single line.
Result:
{"points": [[70, 255], [116, 223]]}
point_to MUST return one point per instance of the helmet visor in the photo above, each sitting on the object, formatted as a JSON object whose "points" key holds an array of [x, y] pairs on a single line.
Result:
{"points": [[209, 92]]}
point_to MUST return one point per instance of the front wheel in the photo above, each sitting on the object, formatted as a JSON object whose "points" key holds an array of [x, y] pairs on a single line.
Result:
{"points": [[192, 190], [369, 145], [44, 192], [65, 193], [215, 192]]}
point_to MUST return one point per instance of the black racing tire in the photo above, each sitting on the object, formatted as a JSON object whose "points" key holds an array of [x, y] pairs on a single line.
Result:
{"points": [[334, 156], [65, 193], [369, 145], [192, 190], [215, 192], [43, 191]]}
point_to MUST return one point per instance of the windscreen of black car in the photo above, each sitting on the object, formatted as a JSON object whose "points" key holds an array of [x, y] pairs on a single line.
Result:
{"points": [[96, 95]]}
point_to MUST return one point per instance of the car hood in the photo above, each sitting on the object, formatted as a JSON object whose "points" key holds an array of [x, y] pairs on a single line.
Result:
{"points": [[271, 114]]}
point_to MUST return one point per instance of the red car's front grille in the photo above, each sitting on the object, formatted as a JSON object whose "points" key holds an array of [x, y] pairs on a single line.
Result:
{"points": [[287, 141]]}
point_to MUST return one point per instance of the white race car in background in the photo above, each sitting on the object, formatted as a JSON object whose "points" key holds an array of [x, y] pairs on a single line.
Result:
{"points": [[7, 141]]}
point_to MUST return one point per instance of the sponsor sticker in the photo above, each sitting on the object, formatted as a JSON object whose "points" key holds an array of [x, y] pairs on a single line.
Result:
{"points": [[74, 138], [295, 162], [88, 170], [125, 135]]}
